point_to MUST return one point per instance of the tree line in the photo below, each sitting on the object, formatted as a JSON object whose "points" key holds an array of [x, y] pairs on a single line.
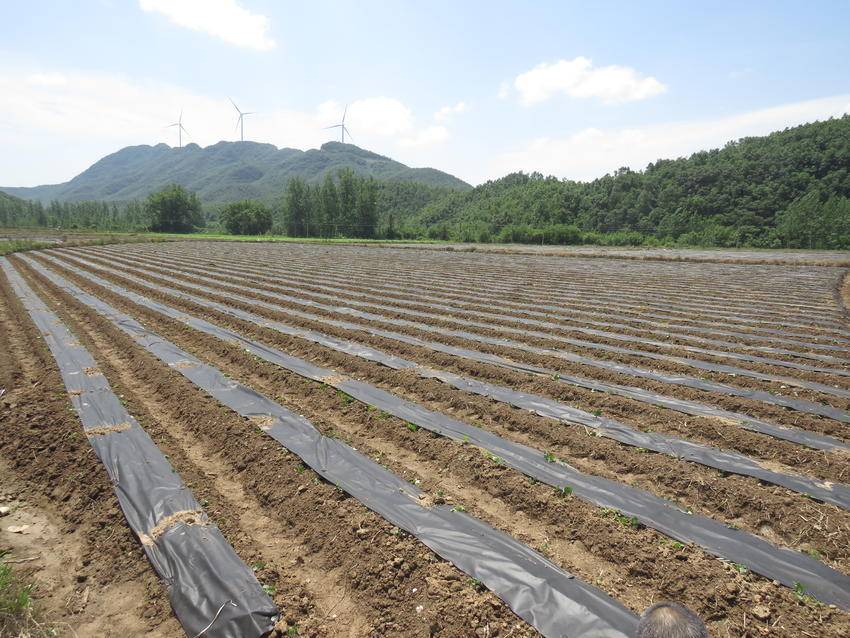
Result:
{"points": [[788, 189]]}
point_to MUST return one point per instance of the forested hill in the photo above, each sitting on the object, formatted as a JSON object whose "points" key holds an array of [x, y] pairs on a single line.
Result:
{"points": [[787, 188], [225, 172]]}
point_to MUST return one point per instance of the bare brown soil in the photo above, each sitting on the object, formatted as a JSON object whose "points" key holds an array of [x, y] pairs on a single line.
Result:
{"points": [[339, 570]]}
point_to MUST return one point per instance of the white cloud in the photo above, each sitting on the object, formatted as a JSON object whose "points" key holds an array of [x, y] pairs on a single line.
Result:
{"points": [[592, 152], [580, 79], [428, 136], [224, 19], [447, 112], [92, 114]]}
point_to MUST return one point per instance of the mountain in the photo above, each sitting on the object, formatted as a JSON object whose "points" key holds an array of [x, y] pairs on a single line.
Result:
{"points": [[224, 172]]}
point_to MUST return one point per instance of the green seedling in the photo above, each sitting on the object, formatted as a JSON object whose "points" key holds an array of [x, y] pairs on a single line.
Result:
{"points": [[476, 584], [458, 508], [292, 631], [814, 553], [300, 468], [741, 569], [412, 427], [258, 565], [345, 398], [556, 377], [597, 413], [677, 546], [564, 491], [802, 596], [493, 457], [622, 519], [271, 590], [550, 458], [466, 438]]}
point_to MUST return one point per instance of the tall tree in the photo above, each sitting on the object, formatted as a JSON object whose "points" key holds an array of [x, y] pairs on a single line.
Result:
{"points": [[174, 210]]}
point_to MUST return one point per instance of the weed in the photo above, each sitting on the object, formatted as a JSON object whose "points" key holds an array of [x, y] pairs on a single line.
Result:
{"points": [[292, 631], [802, 596], [677, 545], [741, 569], [458, 508], [271, 590], [493, 457], [550, 458], [412, 427], [564, 491], [814, 553], [556, 377], [258, 565], [622, 519], [476, 584], [300, 468], [597, 413], [16, 606], [345, 398], [466, 438]]}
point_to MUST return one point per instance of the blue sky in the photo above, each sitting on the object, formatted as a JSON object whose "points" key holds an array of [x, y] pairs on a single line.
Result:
{"points": [[475, 88]]}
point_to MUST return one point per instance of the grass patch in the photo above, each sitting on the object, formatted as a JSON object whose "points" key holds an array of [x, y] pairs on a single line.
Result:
{"points": [[9, 246], [17, 614]]}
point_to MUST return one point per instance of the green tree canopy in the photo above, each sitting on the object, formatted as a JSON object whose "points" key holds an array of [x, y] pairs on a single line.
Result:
{"points": [[247, 217], [174, 210]]}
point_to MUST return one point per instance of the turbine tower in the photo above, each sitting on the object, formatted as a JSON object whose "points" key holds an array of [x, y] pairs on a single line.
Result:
{"points": [[180, 129], [240, 121], [341, 125]]}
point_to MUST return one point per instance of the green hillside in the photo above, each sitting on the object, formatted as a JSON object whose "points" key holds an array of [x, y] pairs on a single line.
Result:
{"points": [[224, 172], [788, 188]]}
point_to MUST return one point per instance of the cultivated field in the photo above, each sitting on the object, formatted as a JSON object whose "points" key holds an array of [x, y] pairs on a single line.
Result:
{"points": [[399, 442]]}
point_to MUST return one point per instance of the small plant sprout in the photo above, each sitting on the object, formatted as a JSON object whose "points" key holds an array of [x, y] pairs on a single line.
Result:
{"points": [[412, 427], [556, 377], [597, 413], [258, 565], [802, 596], [466, 438], [550, 458], [741, 569], [677, 545], [271, 590], [476, 584], [458, 508], [495, 459], [564, 491]]}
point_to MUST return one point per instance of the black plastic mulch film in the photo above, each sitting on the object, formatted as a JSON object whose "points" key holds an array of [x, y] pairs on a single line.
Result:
{"points": [[209, 586], [547, 312], [697, 363], [556, 603], [796, 435], [789, 567], [799, 405], [727, 461], [475, 296]]}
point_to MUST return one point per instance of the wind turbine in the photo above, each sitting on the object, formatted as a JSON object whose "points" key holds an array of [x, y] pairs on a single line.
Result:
{"points": [[180, 129], [341, 125], [240, 122]]}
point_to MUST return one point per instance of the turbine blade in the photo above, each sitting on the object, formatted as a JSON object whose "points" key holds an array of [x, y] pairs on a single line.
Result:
{"points": [[234, 105], [344, 113], [324, 127], [348, 133]]}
